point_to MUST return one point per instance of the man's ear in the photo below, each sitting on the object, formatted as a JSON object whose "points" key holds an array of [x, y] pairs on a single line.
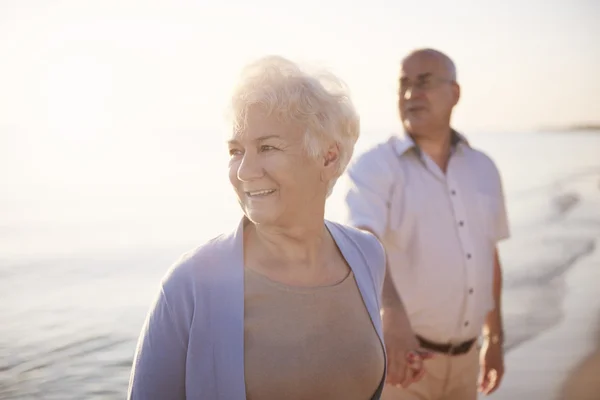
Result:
{"points": [[456, 92]]}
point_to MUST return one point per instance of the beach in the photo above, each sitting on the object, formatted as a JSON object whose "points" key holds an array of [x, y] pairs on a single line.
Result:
{"points": [[582, 382], [563, 362], [78, 270]]}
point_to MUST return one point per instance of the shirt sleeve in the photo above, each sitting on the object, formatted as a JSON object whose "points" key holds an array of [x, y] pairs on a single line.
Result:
{"points": [[158, 370], [502, 225], [369, 184]]}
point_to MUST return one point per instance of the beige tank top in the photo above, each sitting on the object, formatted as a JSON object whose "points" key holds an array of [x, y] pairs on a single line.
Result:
{"points": [[309, 343]]}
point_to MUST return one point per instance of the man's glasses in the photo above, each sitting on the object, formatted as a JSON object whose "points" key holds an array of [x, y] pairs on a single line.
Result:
{"points": [[424, 84]]}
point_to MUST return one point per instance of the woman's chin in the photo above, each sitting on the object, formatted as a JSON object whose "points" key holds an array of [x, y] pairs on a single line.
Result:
{"points": [[260, 216]]}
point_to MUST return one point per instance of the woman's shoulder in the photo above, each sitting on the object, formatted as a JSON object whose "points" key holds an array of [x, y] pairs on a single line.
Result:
{"points": [[361, 237], [369, 247], [199, 264], [365, 241]]}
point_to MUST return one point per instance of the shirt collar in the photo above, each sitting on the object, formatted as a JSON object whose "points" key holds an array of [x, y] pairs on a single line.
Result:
{"points": [[405, 142]]}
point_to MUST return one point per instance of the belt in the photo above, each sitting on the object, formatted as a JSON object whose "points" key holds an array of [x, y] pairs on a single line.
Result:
{"points": [[447, 348]]}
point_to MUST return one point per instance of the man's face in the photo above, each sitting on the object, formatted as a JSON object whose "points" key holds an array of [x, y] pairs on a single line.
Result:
{"points": [[427, 93]]}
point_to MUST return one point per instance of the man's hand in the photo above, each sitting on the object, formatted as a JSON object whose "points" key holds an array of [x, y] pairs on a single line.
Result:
{"points": [[491, 360], [404, 358]]}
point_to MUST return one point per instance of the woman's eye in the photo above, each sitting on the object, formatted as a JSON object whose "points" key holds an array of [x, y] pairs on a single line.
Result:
{"points": [[234, 152], [266, 148]]}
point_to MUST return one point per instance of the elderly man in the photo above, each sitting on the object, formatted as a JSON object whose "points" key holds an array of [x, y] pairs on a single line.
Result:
{"points": [[437, 205]]}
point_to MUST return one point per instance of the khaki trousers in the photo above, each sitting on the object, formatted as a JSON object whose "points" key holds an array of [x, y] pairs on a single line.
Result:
{"points": [[446, 378]]}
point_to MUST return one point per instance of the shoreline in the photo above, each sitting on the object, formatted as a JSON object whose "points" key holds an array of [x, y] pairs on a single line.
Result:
{"points": [[541, 296], [588, 128], [561, 362], [543, 255]]}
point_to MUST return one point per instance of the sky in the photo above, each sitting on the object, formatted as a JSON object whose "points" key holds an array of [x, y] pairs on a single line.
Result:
{"points": [[148, 64], [115, 92]]}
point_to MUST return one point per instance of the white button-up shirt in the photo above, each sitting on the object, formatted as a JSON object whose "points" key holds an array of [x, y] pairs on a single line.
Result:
{"points": [[439, 230]]}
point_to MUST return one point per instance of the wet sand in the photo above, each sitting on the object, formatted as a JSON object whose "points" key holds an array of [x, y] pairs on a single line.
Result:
{"points": [[562, 363], [583, 383]]}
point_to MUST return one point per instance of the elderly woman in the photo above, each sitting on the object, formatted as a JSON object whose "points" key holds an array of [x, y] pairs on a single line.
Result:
{"points": [[287, 305]]}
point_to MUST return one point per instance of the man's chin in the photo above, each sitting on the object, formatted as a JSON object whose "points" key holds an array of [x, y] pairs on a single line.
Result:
{"points": [[413, 125]]}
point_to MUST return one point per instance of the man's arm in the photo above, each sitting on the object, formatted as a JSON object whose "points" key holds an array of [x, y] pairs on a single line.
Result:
{"points": [[492, 352], [370, 180], [493, 327], [398, 334]]}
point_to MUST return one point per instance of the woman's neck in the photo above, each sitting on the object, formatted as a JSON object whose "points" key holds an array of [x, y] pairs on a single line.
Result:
{"points": [[306, 245]]}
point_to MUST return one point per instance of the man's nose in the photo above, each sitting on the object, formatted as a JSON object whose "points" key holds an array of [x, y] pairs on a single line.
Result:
{"points": [[410, 92], [250, 168]]}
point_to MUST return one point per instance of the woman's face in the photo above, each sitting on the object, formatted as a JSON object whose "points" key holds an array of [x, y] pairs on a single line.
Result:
{"points": [[275, 180]]}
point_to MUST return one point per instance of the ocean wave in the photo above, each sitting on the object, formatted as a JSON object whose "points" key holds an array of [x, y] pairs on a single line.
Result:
{"points": [[566, 251], [46, 371], [540, 256]]}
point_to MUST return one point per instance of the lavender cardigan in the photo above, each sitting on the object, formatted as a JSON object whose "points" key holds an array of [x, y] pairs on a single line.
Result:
{"points": [[192, 343]]}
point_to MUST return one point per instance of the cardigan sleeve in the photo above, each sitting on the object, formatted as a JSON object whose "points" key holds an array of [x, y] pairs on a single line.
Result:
{"points": [[377, 262], [159, 365], [158, 370]]}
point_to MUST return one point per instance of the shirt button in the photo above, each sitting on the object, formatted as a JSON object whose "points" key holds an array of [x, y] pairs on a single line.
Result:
{"points": [[468, 256], [471, 291], [466, 323], [453, 192], [461, 223]]}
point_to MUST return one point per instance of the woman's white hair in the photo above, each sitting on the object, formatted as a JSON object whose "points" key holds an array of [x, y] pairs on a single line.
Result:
{"points": [[318, 101]]}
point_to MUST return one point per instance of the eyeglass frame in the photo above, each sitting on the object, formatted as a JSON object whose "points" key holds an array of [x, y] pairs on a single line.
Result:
{"points": [[425, 82]]}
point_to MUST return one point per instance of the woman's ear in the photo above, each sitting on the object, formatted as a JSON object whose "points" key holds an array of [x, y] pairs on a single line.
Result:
{"points": [[330, 160], [332, 155]]}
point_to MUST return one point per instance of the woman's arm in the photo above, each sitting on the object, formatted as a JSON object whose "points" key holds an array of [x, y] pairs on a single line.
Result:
{"points": [[158, 370]]}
